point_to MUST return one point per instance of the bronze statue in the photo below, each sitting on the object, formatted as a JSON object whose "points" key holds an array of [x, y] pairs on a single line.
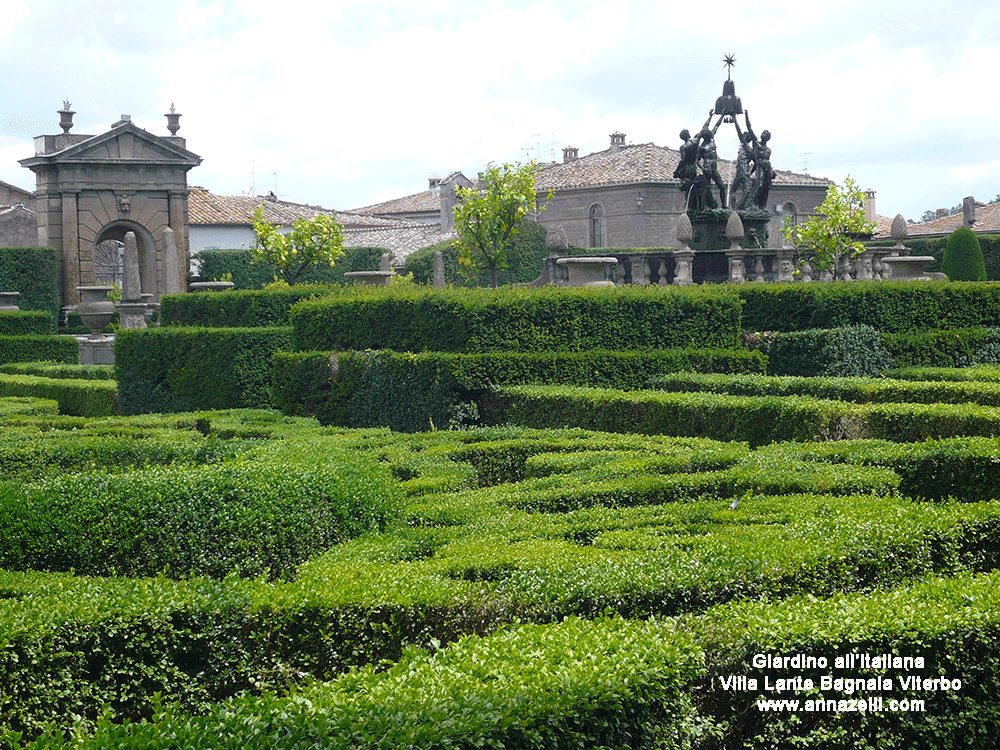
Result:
{"points": [[762, 173], [708, 163]]}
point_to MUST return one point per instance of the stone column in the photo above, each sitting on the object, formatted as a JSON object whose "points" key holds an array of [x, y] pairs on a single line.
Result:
{"points": [[438, 270], [71, 250], [179, 225]]}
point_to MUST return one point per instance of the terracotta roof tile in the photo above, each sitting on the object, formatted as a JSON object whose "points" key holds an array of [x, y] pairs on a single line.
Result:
{"points": [[645, 162], [400, 240], [205, 207], [428, 201]]}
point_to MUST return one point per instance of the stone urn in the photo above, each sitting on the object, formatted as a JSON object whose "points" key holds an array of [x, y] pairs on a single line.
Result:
{"points": [[588, 271], [95, 309], [8, 301]]}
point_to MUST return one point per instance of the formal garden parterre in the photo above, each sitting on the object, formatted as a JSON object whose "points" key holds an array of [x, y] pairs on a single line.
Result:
{"points": [[631, 510]]}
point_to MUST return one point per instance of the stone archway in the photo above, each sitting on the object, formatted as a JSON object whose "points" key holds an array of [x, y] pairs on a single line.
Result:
{"points": [[114, 234]]}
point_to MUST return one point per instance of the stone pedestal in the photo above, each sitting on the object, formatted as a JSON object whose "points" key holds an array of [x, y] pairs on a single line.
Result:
{"points": [[8, 301], [131, 314], [588, 271], [370, 278], [99, 351]]}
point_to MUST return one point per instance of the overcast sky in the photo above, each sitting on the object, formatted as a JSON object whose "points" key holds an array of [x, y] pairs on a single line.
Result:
{"points": [[346, 103]]}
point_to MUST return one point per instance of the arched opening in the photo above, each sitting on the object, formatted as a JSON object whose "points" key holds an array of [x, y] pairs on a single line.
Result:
{"points": [[109, 255], [598, 226], [787, 216]]}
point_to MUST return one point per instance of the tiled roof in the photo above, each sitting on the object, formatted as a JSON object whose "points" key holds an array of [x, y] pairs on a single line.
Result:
{"points": [[428, 201], [205, 207], [400, 240], [987, 222], [645, 162], [6, 211]]}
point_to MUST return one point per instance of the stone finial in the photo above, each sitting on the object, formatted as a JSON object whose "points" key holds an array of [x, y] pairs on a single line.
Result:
{"points": [[173, 120], [66, 116], [685, 232], [385, 262], [734, 229], [900, 231], [556, 240]]}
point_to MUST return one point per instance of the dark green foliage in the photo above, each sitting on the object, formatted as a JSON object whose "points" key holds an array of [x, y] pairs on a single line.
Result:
{"points": [[421, 264], [39, 348], [235, 309], [963, 258], [182, 369], [82, 398], [955, 347], [474, 320], [890, 306], [439, 388], [27, 405], [247, 517], [851, 351], [246, 274], [34, 272], [26, 323]]}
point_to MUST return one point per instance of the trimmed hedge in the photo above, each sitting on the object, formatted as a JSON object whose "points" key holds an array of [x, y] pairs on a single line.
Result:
{"points": [[27, 405], [39, 348], [61, 371], [963, 258], [855, 390], [475, 320], [81, 398], [757, 420], [235, 309], [34, 272], [890, 306], [410, 391], [183, 369], [26, 323], [852, 351], [954, 347], [249, 517]]}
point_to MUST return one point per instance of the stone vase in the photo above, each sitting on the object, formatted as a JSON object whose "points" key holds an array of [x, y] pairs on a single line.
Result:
{"points": [[95, 309], [8, 301]]}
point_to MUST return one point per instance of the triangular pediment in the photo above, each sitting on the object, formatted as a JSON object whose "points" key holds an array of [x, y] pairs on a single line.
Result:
{"points": [[125, 142]]}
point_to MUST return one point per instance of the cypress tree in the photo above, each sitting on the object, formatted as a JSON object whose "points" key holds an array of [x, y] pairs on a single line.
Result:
{"points": [[963, 258]]}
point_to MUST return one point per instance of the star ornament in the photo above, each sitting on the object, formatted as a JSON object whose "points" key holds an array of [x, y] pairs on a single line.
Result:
{"points": [[729, 61]]}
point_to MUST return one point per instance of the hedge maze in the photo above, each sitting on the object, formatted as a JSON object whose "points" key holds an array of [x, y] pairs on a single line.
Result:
{"points": [[632, 536]]}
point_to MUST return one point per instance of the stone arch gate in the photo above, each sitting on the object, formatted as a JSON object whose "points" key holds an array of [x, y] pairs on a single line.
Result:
{"points": [[93, 189]]}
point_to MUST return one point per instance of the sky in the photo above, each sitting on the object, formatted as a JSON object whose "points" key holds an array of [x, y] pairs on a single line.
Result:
{"points": [[344, 104]]}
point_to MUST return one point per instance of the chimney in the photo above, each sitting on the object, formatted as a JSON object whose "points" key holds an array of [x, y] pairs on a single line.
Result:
{"points": [[968, 211], [869, 205], [617, 141], [434, 183], [570, 153]]}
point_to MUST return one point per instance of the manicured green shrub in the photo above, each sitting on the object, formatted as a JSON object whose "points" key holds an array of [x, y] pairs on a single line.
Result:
{"points": [[854, 390], [34, 272], [10, 405], [889, 306], [954, 347], [183, 369], [757, 420], [235, 309], [851, 351], [479, 320], [985, 373], [37, 348], [411, 391], [62, 371], [82, 398], [26, 323], [963, 258], [248, 517]]}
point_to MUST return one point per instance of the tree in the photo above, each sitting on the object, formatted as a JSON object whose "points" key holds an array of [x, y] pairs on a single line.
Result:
{"points": [[487, 218], [963, 257], [831, 236], [311, 241]]}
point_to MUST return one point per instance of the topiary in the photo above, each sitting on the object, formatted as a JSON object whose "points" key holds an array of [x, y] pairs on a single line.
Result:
{"points": [[963, 257]]}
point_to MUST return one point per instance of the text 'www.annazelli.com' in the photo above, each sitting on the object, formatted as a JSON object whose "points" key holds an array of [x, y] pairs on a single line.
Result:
{"points": [[874, 705]]}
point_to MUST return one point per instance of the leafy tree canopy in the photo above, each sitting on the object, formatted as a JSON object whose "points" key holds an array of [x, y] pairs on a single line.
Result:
{"points": [[488, 217], [831, 236], [311, 241]]}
